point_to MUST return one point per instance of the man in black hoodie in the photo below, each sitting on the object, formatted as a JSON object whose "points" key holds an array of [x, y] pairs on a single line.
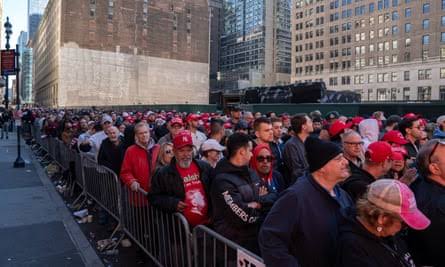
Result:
{"points": [[234, 194]]}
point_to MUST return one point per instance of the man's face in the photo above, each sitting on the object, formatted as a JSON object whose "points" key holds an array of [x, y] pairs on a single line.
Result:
{"points": [[194, 124], [213, 155], [277, 128], [246, 153], [415, 130], [337, 168], [143, 135], [113, 134], [353, 146], [308, 126], [387, 165], [106, 125], [317, 125], [175, 129], [265, 132], [83, 124], [264, 161], [184, 156], [249, 118], [438, 161], [236, 114]]}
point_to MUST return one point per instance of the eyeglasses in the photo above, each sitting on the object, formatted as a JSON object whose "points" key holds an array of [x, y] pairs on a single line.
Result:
{"points": [[267, 158], [354, 143], [440, 142], [168, 151]]}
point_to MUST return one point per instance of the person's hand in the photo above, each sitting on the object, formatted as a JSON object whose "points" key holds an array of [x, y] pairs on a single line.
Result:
{"points": [[409, 176], [181, 206], [254, 205], [135, 186], [262, 191]]}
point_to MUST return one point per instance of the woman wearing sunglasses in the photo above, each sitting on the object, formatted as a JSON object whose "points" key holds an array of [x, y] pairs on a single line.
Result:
{"points": [[271, 181], [165, 155], [368, 234]]}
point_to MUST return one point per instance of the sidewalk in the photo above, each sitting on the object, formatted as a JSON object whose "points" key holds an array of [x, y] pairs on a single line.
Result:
{"points": [[36, 228]]}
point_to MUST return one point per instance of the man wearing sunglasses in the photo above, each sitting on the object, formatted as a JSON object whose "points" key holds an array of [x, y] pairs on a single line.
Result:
{"points": [[428, 246], [412, 131]]}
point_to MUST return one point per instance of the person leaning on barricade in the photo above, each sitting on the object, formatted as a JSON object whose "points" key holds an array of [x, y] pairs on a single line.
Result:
{"points": [[301, 227], [139, 162], [183, 185], [368, 235], [235, 196], [111, 152]]}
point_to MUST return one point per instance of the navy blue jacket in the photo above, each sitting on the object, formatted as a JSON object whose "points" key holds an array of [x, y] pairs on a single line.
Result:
{"points": [[301, 228]]}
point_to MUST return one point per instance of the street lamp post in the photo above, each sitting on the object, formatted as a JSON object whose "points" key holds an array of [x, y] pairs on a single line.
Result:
{"points": [[8, 32], [19, 162]]}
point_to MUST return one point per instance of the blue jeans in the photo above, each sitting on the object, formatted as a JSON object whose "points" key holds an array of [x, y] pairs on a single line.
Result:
{"points": [[4, 130]]}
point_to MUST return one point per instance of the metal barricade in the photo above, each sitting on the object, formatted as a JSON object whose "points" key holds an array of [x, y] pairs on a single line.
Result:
{"points": [[103, 186], [164, 237], [213, 249]]}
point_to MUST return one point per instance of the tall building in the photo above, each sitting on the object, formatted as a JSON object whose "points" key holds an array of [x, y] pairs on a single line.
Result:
{"points": [[385, 50], [36, 8], [122, 52], [25, 63], [216, 26], [256, 43]]}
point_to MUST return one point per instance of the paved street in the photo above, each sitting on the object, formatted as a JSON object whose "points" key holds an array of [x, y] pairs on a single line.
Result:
{"points": [[36, 228]]}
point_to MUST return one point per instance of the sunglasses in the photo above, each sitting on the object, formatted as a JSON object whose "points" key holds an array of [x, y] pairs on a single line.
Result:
{"points": [[439, 142], [168, 151], [267, 158]]}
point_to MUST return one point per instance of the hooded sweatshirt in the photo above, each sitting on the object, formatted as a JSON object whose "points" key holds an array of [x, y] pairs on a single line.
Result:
{"points": [[358, 247], [369, 130], [231, 191]]}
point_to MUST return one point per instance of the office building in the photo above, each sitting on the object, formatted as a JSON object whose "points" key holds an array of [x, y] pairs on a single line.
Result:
{"points": [[255, 43], [25, 64], [36, 8], [386, 50]]}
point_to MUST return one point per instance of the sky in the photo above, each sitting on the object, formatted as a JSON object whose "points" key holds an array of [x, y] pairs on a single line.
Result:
{"points": [[17, 11]]}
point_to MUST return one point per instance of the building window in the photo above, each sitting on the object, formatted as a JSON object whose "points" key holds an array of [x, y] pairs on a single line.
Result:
{"points": [[395, 30], [406, 93], [371, 78], [393, 94], [394, 77], [426, 40], [443, 4], [442, 21], [408, 27], [442, 37], [333, 81], [424, 74], [426, 24], [371, 7], [407, 12], [442, 73], [442, 52], [406, 75], [395, 15], [442, 92], [426, 8], [383, 94], [424, 93], [407, 42]]}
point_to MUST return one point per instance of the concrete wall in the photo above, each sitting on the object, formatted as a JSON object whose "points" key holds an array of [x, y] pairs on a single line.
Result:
{"points": [[91, 77]]}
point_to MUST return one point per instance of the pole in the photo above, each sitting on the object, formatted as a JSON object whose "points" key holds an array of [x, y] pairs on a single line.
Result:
{"points": [[19, 162], [6, 92]]}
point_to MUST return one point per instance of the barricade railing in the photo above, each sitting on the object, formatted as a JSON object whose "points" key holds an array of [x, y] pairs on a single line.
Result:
{"points": [[213, 249], [164, 237]]}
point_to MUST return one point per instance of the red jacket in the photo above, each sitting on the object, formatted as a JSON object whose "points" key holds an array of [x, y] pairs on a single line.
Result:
{"points": [[135, 166]]}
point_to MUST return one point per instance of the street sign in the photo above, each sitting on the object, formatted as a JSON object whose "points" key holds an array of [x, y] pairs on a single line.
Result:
{"points": [[8, 62]]}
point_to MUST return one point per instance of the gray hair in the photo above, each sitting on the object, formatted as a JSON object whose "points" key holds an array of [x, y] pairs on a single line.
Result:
{"points": [[140, 125], [347, 134]]}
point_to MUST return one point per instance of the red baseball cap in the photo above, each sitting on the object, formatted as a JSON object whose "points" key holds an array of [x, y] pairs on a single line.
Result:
{"points": [[394, 136], [357, 120], [176, 120], [227, 125], [193, 117], [410, 116], [337, 128], [378, 152], [184, 138]]}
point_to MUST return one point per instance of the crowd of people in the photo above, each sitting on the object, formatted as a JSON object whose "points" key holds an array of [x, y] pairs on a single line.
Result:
{"points": [[302, 190]]}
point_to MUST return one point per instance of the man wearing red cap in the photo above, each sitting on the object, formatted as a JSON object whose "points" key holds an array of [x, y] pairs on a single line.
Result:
{"points": [[183, 185], [378, 161], [174, 127], [198, 137]]}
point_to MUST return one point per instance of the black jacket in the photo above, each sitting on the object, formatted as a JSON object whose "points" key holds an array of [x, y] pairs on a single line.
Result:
{"points": [[301, 228], [358, 247], [294, 158], [167, 186], [428, 246], [111, 156], [232, 189], [357, 183]]}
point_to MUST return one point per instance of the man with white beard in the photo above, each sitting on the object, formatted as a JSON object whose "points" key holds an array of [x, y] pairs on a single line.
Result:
{"points": [[183, 185]]}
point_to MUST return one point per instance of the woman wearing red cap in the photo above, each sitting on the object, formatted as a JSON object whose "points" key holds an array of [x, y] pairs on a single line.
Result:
{"points": [[272, 182], [399, 169]]}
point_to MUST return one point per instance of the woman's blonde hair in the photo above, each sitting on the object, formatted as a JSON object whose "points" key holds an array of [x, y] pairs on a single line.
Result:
{"points": [[369, 212], [160, 159]]}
